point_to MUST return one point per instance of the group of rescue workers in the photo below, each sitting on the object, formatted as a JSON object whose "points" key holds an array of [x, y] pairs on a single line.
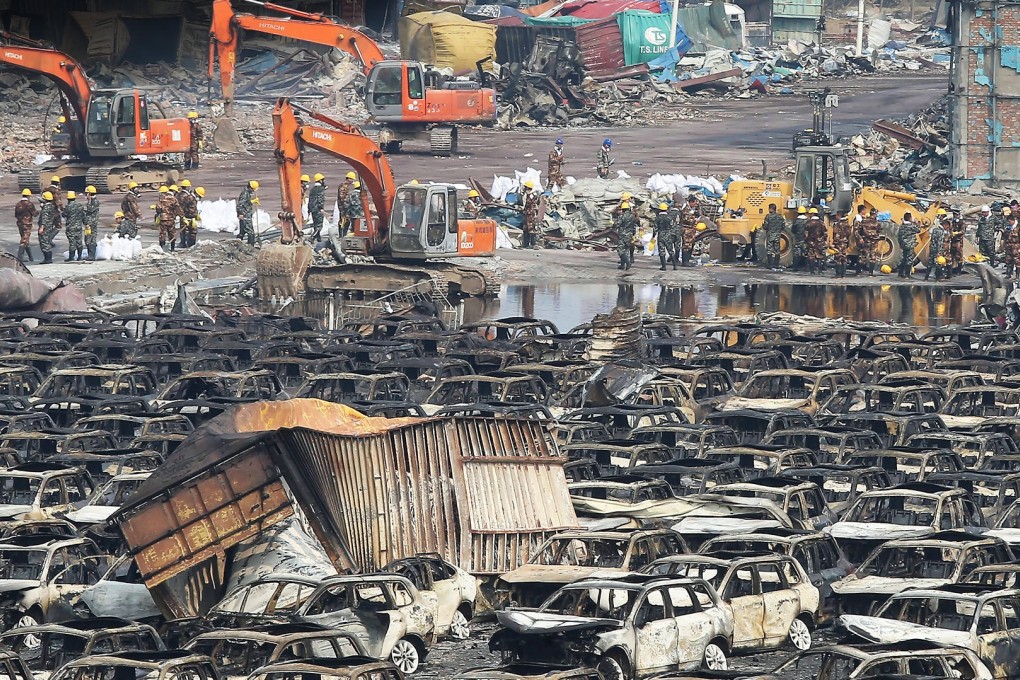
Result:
{"points": [[176, 213], [348, 200], [675, 230]]}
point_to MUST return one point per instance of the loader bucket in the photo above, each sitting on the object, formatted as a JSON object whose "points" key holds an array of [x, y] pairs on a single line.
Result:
{"points": [[281, 270]]}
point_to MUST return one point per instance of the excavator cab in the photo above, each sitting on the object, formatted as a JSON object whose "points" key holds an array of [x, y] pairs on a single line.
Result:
{"points": [[424, 225], [823, 172], [123, 122]]}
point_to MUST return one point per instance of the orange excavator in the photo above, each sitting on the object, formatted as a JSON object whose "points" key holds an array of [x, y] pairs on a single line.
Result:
{"points": [[414, 232], [104, 129], [407, 99]]}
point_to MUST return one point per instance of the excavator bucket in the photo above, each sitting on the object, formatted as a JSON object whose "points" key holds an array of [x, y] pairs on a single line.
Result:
{"points": [[281, 270], [225, 136]]}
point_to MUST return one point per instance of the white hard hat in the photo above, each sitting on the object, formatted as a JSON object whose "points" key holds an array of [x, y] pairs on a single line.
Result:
{"points": [[986, 208]]}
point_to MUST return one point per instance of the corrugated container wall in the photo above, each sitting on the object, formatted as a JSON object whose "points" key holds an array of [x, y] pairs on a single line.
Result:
{"points": [[601, 46]]}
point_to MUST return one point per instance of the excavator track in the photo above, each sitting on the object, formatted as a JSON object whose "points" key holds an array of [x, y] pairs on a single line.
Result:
{"points": [[97, 177], [116, 177], [30, 179], [386, 277], [443, 140]]}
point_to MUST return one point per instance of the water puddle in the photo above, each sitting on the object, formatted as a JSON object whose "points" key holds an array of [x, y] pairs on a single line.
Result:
{"points": [[568, 305]]}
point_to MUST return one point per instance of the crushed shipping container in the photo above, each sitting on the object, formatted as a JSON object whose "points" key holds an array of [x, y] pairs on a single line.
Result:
{"points": [[446, 40]]}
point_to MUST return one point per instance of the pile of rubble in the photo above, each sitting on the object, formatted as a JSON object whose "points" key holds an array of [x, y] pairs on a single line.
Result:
{"points": [[28, 113], [910, 154]]}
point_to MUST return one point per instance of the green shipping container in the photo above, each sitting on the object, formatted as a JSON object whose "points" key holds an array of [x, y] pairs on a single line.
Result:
{"points": [[645, 35]]}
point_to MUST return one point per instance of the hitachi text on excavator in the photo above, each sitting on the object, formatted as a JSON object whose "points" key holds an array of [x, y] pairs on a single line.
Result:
{"points": [[414, 231]]}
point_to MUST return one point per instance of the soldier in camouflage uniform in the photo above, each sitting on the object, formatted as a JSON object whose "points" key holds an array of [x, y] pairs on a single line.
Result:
{"points": [[937, 240], [355, 210], [689, 228], [842, 232], [530, 199], [246, 202], [342, 193], [24, 214], [195, 147], [816, 240], [870, 232], [774, 224], [58, 197], [188, 202], [91, 223], [132, 213], [317, 205], [1011, 245], [49, 225], [956, 246], [74, 219], [667, 236], [602, 161], [167, 212], [798, 229], [906, 235], [986, 235], [555, 173], [626, 228]]}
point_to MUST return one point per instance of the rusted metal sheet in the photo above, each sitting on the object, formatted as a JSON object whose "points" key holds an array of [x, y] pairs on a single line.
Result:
{"points": [[201, 517], [601, 46], [481, 492], [899, 133], [705, 80]]}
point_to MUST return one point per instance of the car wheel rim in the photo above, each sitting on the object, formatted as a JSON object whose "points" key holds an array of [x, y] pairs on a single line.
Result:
{"points": [[31, 640], [715, 659], [405, 656], [460, 629], [611, 670], [800, 636]]}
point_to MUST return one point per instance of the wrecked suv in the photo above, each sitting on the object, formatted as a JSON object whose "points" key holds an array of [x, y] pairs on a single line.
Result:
{"points": [[627, 628]]}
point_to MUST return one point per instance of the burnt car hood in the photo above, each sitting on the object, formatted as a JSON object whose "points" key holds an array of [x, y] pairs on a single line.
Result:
{"points": [[552, 574], [12, 585], [875, 629], [882, 585], [543, 623], [875, 531]]}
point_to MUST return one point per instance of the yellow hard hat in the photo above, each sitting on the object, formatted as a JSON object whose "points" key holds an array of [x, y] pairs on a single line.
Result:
{"points": [[319, 177], [55, 179], [529, 184], [813, 211], [90, 189], [701, 226], [26, 192], [192, 115], [200, 191], [625, 196], [306, 178], [357, 185], [413, 181], [118, 214], [801, 210], [625, 205], [71, 195], [1007, 211], [174, 187], [351, 175], [253, 184], [185, 182], [831, 251], [47, 196], [473, 193], [940, 211], [663, 206], [61, 119], [132, 185], [940, 260], [164, 189], [886, 269]]}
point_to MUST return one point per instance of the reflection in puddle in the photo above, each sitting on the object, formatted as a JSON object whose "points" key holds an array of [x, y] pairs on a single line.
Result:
{"points": [[568, 305]]}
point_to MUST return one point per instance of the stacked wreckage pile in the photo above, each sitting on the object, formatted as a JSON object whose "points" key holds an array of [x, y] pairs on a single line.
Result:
{"points": [[278, 500], [911, 154]]}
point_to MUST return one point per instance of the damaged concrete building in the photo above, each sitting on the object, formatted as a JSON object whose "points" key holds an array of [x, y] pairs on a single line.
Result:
{"points": [[985, 92]]}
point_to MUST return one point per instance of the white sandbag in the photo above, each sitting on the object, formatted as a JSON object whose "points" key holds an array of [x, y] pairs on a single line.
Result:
{"points": [[104, 248], [502, 239], [136, 247]]}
